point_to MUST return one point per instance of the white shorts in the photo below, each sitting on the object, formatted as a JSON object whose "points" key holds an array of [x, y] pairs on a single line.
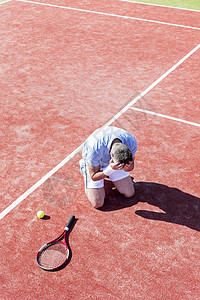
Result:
{"points": [[91, 184]]}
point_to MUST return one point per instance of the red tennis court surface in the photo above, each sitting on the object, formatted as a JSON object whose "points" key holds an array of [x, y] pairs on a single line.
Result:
{"points": [[66, 69]]}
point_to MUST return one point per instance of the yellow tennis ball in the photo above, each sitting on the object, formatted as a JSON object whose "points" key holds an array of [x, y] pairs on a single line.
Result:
{"points": [[40, 214]]}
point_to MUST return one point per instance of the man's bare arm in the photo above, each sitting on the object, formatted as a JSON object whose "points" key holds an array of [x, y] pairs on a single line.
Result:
{"points": [[95, 173]]}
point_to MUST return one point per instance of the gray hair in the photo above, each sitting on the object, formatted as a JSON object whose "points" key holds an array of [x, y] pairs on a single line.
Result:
{"points": [[122, 154]]}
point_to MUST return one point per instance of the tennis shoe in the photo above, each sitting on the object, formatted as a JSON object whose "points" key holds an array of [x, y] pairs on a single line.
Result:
{"points": [[82, 166]]}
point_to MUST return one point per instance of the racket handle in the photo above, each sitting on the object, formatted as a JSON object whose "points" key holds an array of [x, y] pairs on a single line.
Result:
{"points": [[69, 224]]}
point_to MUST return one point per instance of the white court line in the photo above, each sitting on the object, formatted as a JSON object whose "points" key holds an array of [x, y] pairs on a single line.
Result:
{"points": [[5, 1], [164, 116], [62, 163], [39, 183], [160, 5], [108, 14], [131, 103]]}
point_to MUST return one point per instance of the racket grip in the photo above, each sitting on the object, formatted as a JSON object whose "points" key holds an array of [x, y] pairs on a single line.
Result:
{"points": [[69, 224]]}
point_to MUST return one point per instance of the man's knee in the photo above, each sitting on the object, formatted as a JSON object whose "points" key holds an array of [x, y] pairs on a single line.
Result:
{"points": [[97, 203], [126, 187], [129, 194], [96, 197]]}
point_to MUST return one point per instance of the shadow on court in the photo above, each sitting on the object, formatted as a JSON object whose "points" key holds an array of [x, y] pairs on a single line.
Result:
{"points": [[178, 207]]}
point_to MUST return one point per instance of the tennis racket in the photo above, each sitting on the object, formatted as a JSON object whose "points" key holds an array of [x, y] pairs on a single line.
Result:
{"points": [[54, 255]]}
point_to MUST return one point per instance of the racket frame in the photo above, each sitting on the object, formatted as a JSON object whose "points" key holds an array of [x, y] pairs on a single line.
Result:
{"points": [[57, 241]]}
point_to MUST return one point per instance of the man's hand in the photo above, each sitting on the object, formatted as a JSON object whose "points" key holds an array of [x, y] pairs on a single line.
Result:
{"points": [[129, 167], [116, 166], [96, 174], [120, 166]]}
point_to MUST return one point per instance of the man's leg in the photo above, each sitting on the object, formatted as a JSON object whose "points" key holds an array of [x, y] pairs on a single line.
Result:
{"points": [[96, 196], [123, 183], [94, 190], [125, 186]]}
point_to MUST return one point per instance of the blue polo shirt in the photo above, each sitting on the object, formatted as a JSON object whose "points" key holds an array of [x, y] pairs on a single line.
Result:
{"points": [[96, 149]]}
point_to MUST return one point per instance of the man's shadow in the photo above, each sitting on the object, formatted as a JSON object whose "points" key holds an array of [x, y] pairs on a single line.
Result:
{"points": [[178, 207]]}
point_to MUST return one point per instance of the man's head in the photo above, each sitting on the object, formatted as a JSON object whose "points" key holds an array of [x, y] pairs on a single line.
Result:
{"points": [[120, 153]]}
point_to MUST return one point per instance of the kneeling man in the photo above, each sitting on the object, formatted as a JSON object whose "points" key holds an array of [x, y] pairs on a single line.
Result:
{"points": [[108, 152]]}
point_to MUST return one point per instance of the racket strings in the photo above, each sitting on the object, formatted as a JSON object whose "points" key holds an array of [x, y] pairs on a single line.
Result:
{"points": [[53, 256]]}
